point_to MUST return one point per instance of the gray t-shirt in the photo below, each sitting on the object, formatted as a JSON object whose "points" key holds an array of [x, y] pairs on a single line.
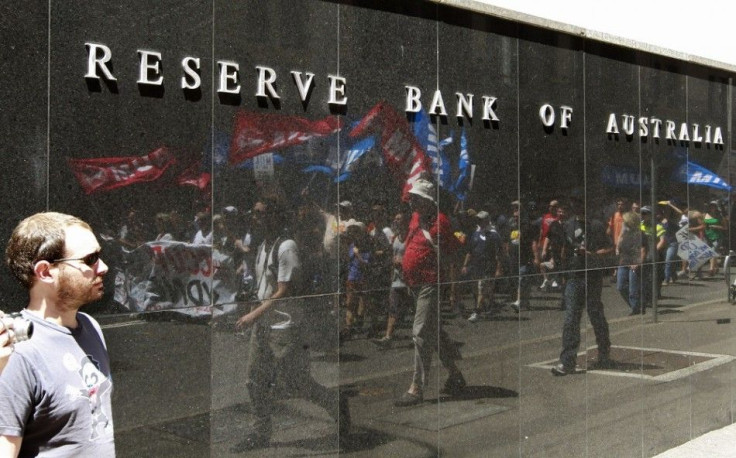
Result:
{"points": [[56, 391]]}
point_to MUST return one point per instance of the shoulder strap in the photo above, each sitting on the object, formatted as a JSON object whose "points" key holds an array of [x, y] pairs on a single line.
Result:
{"points": [[275, 251]]}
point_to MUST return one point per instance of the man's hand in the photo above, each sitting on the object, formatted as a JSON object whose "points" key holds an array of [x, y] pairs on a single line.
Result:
{"points": [[246, 320], [6, 346]]}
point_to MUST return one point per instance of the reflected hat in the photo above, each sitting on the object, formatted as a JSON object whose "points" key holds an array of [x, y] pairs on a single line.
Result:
{"points": [[353, 223], [346, 204], [645, 209], [423, 189], [483, 215]]}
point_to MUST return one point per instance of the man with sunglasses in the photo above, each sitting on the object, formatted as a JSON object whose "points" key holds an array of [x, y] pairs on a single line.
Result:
{"points": [[56, 387]]}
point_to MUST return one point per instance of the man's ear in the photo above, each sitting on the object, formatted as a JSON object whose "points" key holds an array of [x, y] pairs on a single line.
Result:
{"points": [[42, 270]]}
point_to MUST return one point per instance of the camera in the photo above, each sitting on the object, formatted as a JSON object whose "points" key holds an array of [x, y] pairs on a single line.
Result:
{"points": [[22, 328]]}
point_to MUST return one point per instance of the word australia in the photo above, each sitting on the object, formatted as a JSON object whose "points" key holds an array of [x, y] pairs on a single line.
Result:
{"points": [[663, 128]]}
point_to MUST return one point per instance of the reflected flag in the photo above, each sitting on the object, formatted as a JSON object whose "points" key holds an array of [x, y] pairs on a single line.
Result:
{"points": [[104, 174], [403, 155], [693, 173], [462, 184], [426, 134], [259, 133], [344, 168], [216, 150], [195, 176], [353, 154]]}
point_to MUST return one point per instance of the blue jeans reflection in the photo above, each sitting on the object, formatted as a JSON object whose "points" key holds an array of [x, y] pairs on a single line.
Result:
{"points": [[580, 292], [671, 263], [628, 285]]}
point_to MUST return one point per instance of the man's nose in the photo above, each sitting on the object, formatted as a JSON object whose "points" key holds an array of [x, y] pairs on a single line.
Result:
{"points": [[101, 267]]}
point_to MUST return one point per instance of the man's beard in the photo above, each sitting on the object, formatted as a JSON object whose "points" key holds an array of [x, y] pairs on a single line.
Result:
{"points": [[74, 293]]}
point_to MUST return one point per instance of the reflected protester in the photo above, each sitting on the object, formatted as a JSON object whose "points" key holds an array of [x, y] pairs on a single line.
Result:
{"points": [[430, 235], [278, 356], [584, 252]]}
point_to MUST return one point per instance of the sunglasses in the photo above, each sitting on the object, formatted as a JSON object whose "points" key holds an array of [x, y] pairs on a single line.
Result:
{"points": [[89, 260]]}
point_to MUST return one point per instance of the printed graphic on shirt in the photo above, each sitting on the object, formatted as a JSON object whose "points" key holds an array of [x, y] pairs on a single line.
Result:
{"points": [[94, 387]]}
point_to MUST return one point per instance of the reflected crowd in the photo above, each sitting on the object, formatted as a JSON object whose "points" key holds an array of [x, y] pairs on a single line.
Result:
{"points": [[500, 252], [375, 273]]}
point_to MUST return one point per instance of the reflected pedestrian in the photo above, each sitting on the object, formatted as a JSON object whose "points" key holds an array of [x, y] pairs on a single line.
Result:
{"points": [[586, 245], [278, 359], [430, 235]]}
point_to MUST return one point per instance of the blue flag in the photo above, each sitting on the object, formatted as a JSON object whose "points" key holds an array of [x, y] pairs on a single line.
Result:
{"points": [[216, 150], [693, 173], [426, 135], [462, 184], [353, 154]]}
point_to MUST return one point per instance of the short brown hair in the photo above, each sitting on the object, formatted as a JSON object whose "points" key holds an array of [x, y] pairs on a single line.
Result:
{"points": [[38, 237]]}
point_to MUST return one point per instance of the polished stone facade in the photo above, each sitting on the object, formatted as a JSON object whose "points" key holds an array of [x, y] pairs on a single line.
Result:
{"points": [[178, 359]]}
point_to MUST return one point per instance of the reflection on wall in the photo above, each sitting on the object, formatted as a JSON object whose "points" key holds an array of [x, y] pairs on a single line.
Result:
{"points": [[559, 198]]}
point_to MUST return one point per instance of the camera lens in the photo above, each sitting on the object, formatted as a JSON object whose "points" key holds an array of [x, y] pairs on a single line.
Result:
{"points": [[22, 328]]}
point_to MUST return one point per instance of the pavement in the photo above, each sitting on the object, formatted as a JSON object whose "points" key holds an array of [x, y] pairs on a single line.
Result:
{"points": [[179, 386], [718, 443]]}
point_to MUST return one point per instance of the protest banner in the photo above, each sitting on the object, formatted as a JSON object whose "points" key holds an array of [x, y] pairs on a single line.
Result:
{"points": [[195, 280], [692, 249]]}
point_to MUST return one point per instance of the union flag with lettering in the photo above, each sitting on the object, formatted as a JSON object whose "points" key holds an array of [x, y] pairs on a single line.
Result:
{"points": [[259, 133], [404, 156], [103, 174]]}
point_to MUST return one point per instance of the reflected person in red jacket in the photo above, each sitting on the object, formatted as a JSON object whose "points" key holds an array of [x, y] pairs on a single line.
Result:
{"points": [[429, 239]]}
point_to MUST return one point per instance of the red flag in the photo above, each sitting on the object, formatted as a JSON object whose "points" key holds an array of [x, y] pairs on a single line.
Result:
{"points": [[103, 174], [404, 156], [194, 176], [257, 133]]}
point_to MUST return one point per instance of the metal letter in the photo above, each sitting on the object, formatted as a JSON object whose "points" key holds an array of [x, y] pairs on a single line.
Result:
{"points": [[718, 137], [670, 135], [94, 62], [612, 127], [228, 74], [266, 78], [464, 105], [146, 66], [627, 124], [657, 123], [413, 104], [337, 88], [303, 87], [191, 68], [696, 134], [488, 113], [565, 117], [438, 105], [547, 115]]}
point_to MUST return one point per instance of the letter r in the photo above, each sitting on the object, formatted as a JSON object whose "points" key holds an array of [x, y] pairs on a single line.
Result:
{"points": [[94, 62]]}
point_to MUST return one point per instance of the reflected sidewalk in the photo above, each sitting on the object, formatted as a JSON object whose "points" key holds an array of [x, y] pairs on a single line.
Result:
{"points": [[715, 443]]}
